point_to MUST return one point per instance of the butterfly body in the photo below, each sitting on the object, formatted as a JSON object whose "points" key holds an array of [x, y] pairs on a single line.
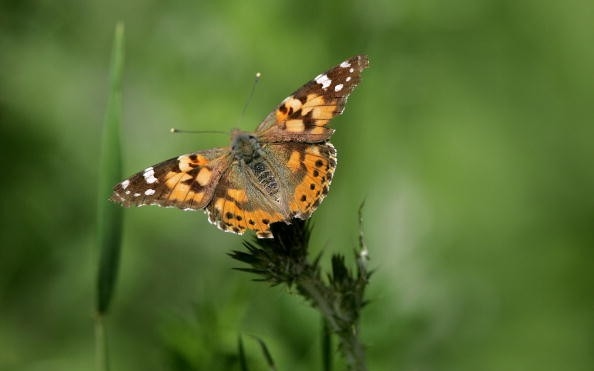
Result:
{"points": [[281, 171]]}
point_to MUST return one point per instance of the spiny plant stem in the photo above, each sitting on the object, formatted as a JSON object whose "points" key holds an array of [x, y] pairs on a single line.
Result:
{"points": [[316, 292], [339, 299], [353, 350]]}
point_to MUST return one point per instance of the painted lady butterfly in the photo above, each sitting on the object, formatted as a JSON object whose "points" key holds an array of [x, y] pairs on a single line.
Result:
{"points": [[279, 172]]}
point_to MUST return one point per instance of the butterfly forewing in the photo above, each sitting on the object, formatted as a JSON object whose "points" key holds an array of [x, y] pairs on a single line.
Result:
{"points": [[304, 115], [186, 182]]}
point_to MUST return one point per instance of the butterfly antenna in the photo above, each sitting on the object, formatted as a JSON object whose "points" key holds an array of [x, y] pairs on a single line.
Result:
{"points": [[178, 131], [249, 100], [245, 106]]}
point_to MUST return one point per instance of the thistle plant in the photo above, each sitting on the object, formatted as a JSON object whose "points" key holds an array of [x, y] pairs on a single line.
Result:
{"points": [[283, 260]]}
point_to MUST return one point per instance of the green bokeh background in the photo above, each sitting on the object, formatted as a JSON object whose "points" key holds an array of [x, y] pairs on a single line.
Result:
{"points": [[470, 139]]}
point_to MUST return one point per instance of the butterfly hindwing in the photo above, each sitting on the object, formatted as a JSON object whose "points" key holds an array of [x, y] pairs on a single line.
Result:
{"points": [[239, 203], [308, 172]]}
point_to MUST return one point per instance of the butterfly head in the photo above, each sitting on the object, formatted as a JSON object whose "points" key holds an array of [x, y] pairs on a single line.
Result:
{"points": [[245, 146]]}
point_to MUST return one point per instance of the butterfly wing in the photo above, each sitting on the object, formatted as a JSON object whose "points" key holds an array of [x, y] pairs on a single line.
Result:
{"points": [[187, 182], [240, 202], [304, 115], [305, 171]]}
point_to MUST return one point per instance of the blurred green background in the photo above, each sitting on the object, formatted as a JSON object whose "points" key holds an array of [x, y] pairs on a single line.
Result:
{"points": [[470, 139]]}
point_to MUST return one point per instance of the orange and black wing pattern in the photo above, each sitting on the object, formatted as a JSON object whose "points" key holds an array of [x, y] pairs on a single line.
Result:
{"points": [[304, 115]]}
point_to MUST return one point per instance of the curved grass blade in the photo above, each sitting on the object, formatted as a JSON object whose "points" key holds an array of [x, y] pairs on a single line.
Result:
{"points": [[266, 353], [242, 358], [109, 216]]}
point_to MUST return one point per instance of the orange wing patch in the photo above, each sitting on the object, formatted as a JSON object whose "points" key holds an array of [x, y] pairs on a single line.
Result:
{"points": [[287, 108], [309, 114], [259, 221], [294, 162], [232, 216], [319, 162], [182, 192], [189, 183], [188, 162]]}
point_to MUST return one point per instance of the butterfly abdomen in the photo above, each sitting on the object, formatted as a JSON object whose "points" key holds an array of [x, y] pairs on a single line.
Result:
{"points": [[265, 177]]}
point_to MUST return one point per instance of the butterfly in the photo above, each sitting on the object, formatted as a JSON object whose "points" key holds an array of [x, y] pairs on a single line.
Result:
{"points": [[279, 172]]}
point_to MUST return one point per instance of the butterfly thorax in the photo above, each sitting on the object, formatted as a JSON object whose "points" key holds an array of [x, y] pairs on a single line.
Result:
{"points": [[245, 146], [248, 152]]}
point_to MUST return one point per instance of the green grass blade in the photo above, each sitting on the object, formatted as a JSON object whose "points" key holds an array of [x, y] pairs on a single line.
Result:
{"points": [[242, 357], [109, 214], [266, 353]]}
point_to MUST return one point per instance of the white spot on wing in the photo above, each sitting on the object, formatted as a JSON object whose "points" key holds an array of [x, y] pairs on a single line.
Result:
{"points": [[149, 175], [323, 80], [136, 194], [125, 184], [338, 88], [345, 64], [351, 70], [149, 192], [348, 79]]}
